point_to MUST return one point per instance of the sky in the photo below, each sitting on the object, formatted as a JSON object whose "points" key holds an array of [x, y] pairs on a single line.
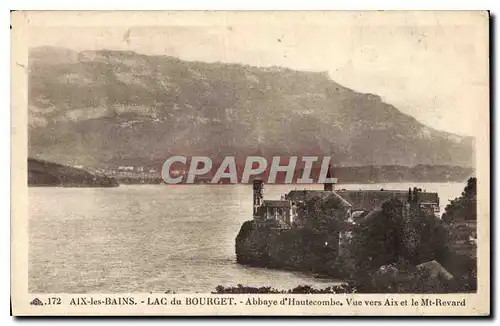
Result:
{"points": [[433, 66]]}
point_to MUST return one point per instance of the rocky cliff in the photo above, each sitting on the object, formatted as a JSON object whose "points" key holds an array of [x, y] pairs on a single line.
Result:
{"points": [[296, 249]]}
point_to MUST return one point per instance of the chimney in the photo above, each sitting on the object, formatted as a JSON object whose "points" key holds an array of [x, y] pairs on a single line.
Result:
{"points": [[258, 195], [328, 186]]}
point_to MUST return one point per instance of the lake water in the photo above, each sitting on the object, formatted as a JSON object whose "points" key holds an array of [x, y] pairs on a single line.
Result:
{"points": [[155, 238]]}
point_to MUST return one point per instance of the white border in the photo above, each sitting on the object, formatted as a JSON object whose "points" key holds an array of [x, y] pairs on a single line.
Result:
{"points": [[180, 5]]}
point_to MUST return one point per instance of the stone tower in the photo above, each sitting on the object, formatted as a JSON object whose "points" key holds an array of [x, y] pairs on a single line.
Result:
{"points": [[258, 195]]}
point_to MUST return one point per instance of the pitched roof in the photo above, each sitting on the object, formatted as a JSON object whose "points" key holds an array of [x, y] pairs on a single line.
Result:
{"points": [[369, 200], [428, 197], [366, 200], [344, 202], [305, 195], [324, 195], [276, 203]]}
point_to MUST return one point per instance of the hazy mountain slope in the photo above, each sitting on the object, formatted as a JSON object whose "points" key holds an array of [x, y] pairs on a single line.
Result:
{"points": [[106, 106]]}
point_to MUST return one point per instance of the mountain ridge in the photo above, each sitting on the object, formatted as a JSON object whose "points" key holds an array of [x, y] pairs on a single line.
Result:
{"points": [[102, 105]]}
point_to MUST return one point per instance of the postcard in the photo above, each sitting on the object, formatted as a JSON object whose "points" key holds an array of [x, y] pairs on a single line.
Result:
{"points": [[287, 163]]}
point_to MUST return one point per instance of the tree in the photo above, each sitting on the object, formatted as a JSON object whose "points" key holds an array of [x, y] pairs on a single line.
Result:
{"points": [[323, 215], [389, 236], [465, 206]]}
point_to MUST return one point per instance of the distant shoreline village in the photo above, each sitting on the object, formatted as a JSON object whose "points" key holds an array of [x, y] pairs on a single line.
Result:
{"points": [[46, 173]]}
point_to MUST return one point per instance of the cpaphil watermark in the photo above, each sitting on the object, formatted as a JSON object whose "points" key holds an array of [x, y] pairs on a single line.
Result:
{"points": [[229, 170]]}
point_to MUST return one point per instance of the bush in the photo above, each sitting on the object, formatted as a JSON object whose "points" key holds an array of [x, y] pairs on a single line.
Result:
{"points": [[301, 289]]}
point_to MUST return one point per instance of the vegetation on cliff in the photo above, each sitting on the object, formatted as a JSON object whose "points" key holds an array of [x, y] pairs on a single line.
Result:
{"points": [[384, 254], [312, 247], [390, 237], [460, 219], [389, 251], [464, 207]]}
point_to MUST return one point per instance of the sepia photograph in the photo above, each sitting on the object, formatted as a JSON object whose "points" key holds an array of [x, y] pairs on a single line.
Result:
{"points": [[293, 161]]}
